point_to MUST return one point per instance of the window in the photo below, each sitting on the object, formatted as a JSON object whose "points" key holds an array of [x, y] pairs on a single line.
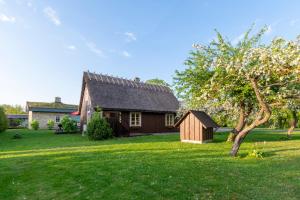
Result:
{"points": [[135, 119], [169, 120], [57, 119]]}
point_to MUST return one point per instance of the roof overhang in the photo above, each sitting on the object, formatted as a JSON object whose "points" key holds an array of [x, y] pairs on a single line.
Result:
{"points": [[52, 110], [186, 114]]}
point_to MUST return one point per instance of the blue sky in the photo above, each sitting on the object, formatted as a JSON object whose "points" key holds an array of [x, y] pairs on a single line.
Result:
{"points": [[46, 45]]}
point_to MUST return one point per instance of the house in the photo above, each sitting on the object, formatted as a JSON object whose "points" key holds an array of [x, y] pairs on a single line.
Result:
{"points": [[131, 106], [196, 127], [43, 111], [17, 120]]}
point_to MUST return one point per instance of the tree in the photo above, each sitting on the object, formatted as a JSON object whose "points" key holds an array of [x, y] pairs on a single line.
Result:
{"points": [[247, 78], [293, 122], [3, 120], [293, 107], [13, 109], [157, 81]]}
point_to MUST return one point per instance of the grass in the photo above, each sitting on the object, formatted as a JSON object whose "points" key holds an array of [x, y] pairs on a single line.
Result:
{"points": [[42, 165]]}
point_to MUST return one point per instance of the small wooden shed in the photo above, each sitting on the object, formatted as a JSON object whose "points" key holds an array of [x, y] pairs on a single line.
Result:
{"points": [[196, 127]]}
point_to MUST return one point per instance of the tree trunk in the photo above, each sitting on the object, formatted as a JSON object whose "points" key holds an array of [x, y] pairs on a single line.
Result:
{"points": [[236, 145], [240, 125], [293, 124], [261, 117]]}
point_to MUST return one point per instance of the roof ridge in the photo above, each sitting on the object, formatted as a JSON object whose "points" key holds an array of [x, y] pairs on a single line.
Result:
{"points": [[115, 80], [50, 102]]}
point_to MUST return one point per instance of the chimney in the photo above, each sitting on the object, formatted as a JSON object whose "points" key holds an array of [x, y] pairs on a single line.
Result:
{"points": [[137, 79], [57, 100]]}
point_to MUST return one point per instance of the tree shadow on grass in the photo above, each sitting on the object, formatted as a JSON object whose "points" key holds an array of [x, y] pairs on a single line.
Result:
{"points": [[270, 137], [274, 152], [268, 153]]}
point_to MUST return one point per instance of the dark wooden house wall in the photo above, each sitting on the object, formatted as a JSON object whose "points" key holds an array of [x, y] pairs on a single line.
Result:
{"points": [[191, 129], [150, 123]]}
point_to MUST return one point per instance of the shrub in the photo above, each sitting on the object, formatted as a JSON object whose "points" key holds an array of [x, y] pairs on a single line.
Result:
{"points": [[50, 124], [14, 123], [3, 120], [98, 128], [69, 125], [35, 125]]}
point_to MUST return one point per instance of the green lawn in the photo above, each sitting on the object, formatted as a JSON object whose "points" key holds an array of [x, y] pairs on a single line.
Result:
{"points": [[42, 165]]}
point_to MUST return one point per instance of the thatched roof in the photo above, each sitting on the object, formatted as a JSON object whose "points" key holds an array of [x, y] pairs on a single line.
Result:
{"points": [[50, 107], [114, 93], [205, 119]]}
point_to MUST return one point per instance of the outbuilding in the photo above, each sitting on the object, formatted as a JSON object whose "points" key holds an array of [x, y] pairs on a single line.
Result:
{"points": [[196, 127], [45, 111]]}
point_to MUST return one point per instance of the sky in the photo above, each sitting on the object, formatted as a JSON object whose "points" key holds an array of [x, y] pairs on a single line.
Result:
{"points": [[46, 45]]}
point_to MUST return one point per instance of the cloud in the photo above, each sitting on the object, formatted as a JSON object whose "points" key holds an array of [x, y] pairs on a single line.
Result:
{"points": [[93, 48], [52, 15], [130, 37], [269, 30], [5, 18], [29, 4], [238, 38], [293, 22], [72, 47], [272, 27], [126, 54]]}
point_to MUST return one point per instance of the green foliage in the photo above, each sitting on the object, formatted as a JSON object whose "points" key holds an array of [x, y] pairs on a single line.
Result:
{"points": [[50, 124], [208, 85], [220, 77], [157, 81], [14, 123], [13, 109], [3, 120], [98, 128], [35, 125], [69, 125]]}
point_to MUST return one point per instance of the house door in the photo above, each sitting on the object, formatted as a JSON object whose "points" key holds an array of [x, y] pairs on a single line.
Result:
{"points": [[114, 120]]}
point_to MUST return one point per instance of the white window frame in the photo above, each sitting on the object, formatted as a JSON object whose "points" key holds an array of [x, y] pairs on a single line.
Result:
{"points": [[169, 119], [57, 117], [135, 123]]}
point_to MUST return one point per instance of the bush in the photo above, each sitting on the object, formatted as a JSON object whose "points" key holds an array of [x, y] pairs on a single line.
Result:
{"points": [[98, 128], [3, 120], [69, 125], [50, 124], [14, 123], [35, 125]]}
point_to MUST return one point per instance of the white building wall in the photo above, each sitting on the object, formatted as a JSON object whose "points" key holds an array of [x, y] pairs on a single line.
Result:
{"points": [[86, 108], [43, 118]]}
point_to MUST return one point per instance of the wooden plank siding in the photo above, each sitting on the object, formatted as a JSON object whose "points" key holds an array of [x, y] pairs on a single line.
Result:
{"points": [[182, 131], [187, 128], [192, 130], [150, 123], [197, 130]]}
